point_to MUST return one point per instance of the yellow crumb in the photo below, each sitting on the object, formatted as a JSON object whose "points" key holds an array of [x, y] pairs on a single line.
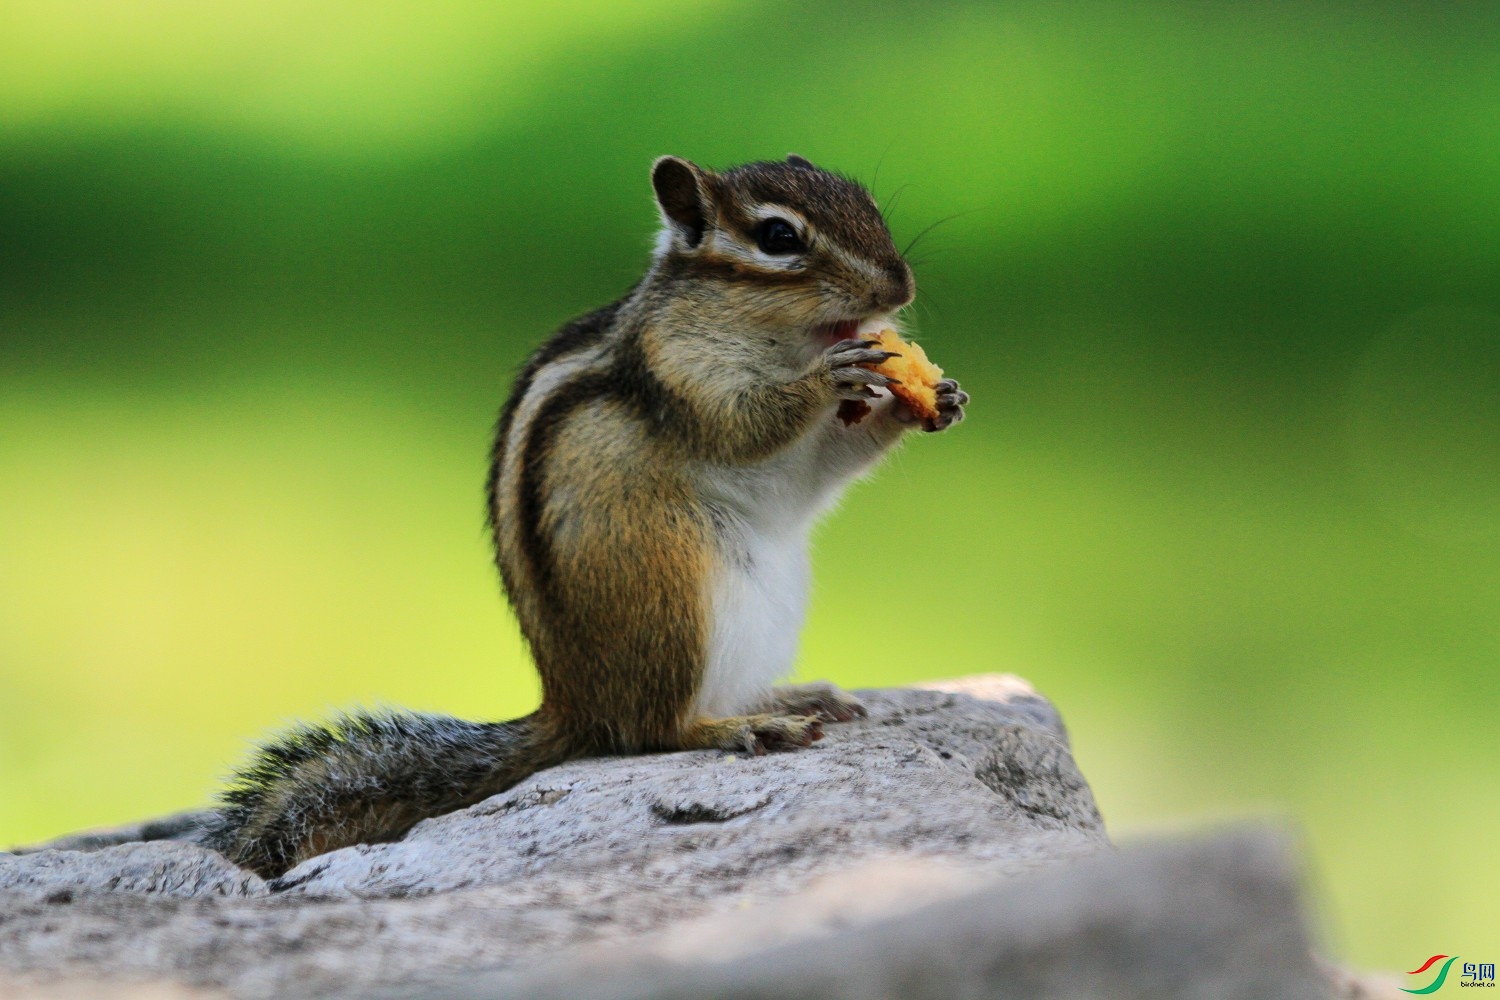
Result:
{"points": [[918, 377]]}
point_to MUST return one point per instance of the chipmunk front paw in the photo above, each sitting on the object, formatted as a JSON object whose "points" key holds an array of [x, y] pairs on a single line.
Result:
{"points": [[951, 401], [850, 381]]}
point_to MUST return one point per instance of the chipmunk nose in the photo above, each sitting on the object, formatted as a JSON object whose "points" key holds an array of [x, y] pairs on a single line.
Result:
{"points": [[896, 288]]}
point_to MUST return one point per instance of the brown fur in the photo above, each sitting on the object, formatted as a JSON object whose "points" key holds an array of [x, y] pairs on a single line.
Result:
{"points": [[709, 359]]}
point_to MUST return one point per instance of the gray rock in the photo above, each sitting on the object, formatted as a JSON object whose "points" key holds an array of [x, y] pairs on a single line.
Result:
{"points": [[815, 862], [922, 775], [165, 869], [1210, 919]]}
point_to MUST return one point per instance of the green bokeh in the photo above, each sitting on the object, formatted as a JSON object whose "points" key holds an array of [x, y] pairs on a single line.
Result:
{"points": [[1224, 281]]}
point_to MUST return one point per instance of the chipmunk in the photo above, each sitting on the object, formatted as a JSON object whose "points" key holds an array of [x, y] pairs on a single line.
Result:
{"points": [[655, 474]]}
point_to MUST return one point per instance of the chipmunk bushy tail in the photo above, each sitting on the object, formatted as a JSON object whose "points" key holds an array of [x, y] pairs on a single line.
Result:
{"points": [[368, 777]]}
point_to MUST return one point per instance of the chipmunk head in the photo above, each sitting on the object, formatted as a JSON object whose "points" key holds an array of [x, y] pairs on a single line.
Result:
{"points": [[788, 244]]}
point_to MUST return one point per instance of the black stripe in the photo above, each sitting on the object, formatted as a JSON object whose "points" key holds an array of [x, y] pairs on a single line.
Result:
{"points": [[581, 333], [540, 437], [638, 385], [629, 379]]}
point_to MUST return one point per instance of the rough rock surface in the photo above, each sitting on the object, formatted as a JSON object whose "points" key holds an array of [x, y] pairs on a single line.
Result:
{"points": [[1213, 919], [702, 873], [167, 868]]}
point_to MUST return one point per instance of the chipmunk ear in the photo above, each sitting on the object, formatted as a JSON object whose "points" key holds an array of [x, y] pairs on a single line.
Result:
{"points": [[800, 161], [682, 196]]}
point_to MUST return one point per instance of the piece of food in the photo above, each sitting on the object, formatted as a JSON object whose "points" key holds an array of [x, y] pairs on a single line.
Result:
{"points": [[917, 376]]}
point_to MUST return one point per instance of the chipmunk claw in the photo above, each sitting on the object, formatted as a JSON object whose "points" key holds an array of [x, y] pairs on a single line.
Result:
{"points": [[951, 401], [850, 381], [856, 352]]}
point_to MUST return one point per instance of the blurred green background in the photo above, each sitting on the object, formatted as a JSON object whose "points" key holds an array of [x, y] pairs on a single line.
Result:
{"points": [[1226, 291]]}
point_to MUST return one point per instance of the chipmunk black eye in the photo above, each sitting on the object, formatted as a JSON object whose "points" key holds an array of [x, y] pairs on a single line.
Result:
{"points": [[776, 236]]}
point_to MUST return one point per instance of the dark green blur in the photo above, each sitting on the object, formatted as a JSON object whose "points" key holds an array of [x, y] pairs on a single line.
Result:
{"points": [[1223, 280]]}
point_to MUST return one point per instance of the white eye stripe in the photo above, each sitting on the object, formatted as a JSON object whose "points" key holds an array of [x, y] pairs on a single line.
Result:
{"points": [[771, 210], [730, 244]]}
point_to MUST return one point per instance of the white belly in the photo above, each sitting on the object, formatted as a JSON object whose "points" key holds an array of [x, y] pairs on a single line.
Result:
{"points": [[757, 598], [757, 604]]}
